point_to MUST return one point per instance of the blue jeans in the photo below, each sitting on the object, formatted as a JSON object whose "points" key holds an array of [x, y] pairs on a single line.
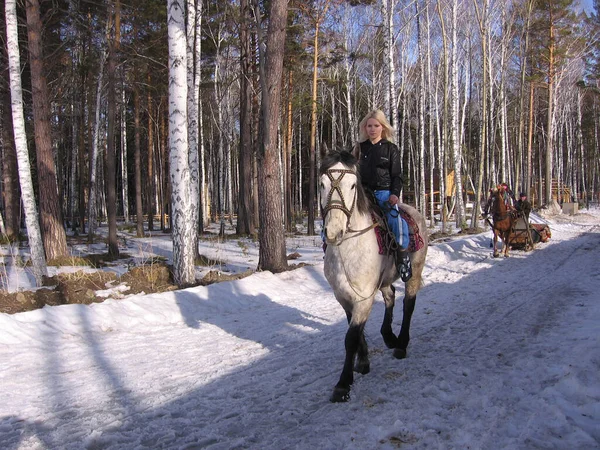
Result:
{"points": [[393, 218]]}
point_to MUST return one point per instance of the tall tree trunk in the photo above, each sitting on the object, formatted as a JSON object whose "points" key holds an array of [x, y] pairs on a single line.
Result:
{"points": [[524, 178], [312, 187], [313, 137], [10, 174], [139, 212], [245, 221], [454, 130], [193, 30], [36, 244], [420, 194], [82, 173], [444, 125], [124, 174], [289, 221], [482, 18], [53, 232], [529, 179], [271, 232], [550, 118], [110, 177], [150, 167], [182, 217], [92, 202]]}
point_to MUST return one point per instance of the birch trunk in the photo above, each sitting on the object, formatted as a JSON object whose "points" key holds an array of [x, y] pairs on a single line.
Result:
{"points": [[420, 200], [182, 217], [194, 20], [445, 116], [124, 175], [482, 18], [454, 131], [36, 245], [549, 119], [150, 203]]}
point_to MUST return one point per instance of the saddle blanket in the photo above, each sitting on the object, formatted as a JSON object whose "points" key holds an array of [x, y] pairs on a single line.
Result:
{"points": [[384, 238]]}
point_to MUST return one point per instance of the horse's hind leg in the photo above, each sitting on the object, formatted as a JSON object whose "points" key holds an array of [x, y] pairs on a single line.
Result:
{"points": [[389, 296]]}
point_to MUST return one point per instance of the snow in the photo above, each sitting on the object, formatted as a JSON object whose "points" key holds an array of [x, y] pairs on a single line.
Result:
{"points": [[504, 354]]}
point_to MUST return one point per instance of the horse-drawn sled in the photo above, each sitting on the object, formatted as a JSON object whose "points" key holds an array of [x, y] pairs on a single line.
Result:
{"points": [[514, 228]]}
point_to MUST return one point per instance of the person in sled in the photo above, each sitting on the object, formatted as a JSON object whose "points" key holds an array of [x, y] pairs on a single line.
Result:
{"points": [[381, 173], [523, 205]]}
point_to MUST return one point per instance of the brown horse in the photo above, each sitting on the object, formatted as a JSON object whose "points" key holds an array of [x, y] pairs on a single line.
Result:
{"points": [[503, 221]]}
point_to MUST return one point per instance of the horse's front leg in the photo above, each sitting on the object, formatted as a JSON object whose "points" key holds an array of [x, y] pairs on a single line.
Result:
{"points": [[505, 242], [389, 296], [496, 254], [355, 346], [408, 307]]}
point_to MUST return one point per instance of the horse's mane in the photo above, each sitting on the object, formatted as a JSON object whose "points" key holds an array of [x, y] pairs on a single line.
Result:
{"points": [[350, 162], [498, 200]]}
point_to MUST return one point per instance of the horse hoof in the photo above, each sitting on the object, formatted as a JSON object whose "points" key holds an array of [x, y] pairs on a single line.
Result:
{"points": [[496, 255], [340, 395], [400, 353]]}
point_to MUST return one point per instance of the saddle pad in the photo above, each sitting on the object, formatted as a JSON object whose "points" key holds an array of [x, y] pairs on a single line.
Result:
{"points": [[415, 239]]}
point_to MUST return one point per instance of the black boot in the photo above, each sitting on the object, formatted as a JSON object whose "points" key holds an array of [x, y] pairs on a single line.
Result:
{"points": [[403, 265]]}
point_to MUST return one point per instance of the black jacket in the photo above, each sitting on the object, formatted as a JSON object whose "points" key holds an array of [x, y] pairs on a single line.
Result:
{"points": [[380, 167], [524, 206]]}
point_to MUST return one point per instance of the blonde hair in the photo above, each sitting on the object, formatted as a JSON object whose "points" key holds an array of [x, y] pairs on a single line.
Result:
{"points": [[377, 114]]}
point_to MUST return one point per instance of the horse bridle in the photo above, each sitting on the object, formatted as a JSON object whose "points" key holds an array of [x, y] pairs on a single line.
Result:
{"points": [[335, 186], [341, 204]]}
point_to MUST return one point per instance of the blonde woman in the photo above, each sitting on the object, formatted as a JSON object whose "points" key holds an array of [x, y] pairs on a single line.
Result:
{"points": [[381, 173]]}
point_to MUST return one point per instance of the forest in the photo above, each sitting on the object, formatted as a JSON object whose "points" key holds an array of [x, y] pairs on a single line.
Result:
{"points": [[94, 94]]}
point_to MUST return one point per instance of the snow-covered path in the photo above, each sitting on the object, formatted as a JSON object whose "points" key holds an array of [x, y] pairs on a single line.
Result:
{"points": [[505, 354]]}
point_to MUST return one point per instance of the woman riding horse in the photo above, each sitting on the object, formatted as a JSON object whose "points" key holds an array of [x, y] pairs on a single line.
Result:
{"points": [[356, 269]]}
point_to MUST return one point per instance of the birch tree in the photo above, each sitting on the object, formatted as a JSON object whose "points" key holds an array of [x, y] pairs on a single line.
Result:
{"points": [[454, 116], [194, 20], [36, 245], [482, 19], [182, 214]]}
